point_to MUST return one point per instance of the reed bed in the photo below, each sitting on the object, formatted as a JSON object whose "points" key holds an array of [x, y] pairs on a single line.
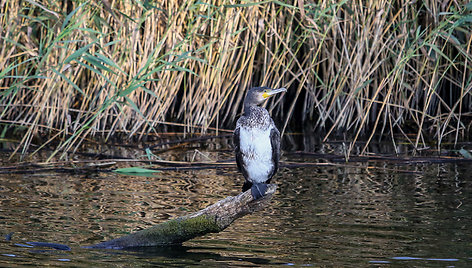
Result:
{"points": [[76, 69]]}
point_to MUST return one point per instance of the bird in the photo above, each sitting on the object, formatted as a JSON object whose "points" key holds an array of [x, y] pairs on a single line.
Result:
{"points": [[257, 142]]}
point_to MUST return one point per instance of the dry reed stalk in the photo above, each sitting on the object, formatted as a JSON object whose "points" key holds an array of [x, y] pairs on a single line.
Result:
{"points": [[72, 69]]}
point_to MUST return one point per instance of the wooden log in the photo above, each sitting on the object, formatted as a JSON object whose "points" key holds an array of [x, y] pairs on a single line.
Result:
{"points": [[213, 219]]}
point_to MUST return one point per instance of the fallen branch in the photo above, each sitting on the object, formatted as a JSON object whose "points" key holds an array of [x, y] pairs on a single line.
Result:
{"points": [[212, 219], [105, 165], [382, 158], [189, 140]]}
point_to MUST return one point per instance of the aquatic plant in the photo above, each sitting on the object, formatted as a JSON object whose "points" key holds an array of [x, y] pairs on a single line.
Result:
{"points": [[74, 69]]}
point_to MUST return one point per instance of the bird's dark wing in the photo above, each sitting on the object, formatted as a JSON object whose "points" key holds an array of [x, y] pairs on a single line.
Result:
{"points": [[237, 150], [275, 144]]}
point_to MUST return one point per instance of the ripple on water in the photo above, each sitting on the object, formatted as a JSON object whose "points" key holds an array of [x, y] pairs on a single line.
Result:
{"points": [[335, 216]]}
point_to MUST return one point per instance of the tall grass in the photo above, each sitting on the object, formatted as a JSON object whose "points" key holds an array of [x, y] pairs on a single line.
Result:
{"points": [[76, 69]]}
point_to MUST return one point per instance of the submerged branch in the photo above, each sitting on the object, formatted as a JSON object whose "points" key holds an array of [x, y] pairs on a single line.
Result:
{"points": [[212, 219], [88, 166]]}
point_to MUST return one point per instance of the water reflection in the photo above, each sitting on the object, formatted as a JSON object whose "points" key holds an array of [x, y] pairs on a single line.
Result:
{"points": [[329, 215]]}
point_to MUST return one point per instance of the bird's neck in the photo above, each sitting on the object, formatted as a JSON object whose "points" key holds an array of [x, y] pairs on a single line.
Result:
{"points": [[255, 116], [249, 109]]}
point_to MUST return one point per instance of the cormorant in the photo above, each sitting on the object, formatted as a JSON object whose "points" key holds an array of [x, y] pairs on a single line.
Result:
{"points": [[257, 142]]}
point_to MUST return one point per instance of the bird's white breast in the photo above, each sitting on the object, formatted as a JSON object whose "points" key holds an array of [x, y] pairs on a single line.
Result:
{"points": [[257, 150]]}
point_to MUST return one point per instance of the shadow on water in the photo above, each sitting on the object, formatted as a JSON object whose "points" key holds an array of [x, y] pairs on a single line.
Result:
{"points": [[368, 213], [178, 254], [196, 254]]}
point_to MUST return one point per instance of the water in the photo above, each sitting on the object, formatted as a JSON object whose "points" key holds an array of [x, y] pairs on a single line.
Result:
{"points": [[364, 214]]}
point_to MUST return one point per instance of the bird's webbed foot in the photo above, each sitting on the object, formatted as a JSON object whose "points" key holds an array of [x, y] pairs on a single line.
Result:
{"points": [[258, 190]]}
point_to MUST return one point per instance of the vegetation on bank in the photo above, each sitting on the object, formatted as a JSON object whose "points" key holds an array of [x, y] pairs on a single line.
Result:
{"points": [[73, 69]]}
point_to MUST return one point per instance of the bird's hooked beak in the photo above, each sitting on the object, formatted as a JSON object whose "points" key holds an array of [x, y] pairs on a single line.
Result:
{"points": [[272, 92]]}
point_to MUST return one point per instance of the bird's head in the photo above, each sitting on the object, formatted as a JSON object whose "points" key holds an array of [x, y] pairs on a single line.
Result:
{"points": [[258, 95]]}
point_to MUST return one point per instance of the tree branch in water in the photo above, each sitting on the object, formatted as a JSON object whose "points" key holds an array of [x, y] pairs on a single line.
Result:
{"points": [[212, 219]]}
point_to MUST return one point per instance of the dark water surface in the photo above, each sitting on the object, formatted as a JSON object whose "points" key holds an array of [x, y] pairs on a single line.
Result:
{"points": [[364, 214]]}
